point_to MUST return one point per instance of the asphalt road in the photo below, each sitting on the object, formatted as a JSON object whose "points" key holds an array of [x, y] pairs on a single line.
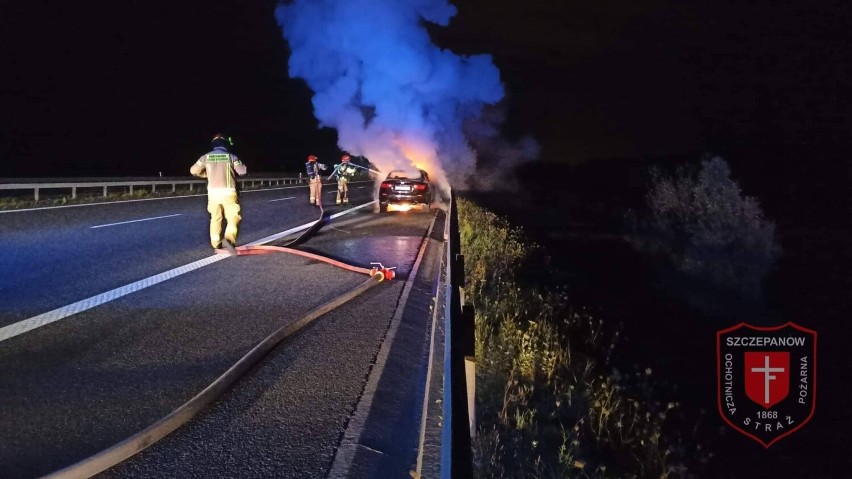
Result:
{"points": [[54, 257], [81, 384]]}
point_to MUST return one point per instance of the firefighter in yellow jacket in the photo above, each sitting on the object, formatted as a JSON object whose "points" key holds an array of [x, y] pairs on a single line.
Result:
{"points": [[220, 167], [344, 172]]}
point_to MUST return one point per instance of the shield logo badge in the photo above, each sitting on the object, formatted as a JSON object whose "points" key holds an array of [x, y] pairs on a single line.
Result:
{"points": [[766, 379]]}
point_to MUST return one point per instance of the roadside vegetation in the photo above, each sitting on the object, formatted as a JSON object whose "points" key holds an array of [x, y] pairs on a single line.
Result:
{"points": [[550, 403], [698, 222]]}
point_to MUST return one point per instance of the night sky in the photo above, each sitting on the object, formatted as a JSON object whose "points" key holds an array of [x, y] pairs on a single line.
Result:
{"points": [[609, 78], [134, 88], [115, 88]]}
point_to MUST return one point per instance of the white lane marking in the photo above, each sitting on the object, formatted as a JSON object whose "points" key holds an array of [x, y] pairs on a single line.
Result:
{"points": [[283, 234], [34, 322], [361, 187], [135, 221], [282, 199], [148, 199], [22, 327]]}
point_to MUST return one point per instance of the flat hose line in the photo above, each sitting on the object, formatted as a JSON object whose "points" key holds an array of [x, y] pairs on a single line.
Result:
{"points": [[136, 443], [308, 232], [311, 229], [250, 250]]}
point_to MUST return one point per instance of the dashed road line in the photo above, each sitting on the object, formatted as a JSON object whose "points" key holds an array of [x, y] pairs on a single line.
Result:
{"points": [[135, 221]]}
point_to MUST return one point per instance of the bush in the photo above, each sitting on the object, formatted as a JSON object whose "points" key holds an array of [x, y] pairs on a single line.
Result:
{"points": [[699, 222], [549, 403]]}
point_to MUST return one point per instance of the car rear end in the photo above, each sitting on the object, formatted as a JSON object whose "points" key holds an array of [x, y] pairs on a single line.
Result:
{"points": [[402, 194]]}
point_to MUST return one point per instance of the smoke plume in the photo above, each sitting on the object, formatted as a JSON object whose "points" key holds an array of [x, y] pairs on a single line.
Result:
{"points": [[392, 95]]}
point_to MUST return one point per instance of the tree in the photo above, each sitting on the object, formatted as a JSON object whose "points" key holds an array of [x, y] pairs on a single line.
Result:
{"points": [[700, 222]]}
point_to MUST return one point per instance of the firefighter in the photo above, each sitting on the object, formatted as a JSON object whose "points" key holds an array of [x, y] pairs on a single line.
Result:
{"points": [[344, 172], [219, 167], [315, 179]]}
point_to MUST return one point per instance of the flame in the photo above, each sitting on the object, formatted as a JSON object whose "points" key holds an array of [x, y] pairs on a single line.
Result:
{"points": [[409, 152], [401, 207]]}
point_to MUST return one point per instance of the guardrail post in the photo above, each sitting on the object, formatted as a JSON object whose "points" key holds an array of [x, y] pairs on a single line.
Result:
{"points": [[36, 193], [468, 321], [153, 187], [131, 190], [174, 185], [73, 192], [105, 191]]}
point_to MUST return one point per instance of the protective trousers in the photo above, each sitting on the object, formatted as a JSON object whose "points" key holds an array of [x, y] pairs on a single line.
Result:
{"points": [[316, 189], [216, 204], [342, 190]]}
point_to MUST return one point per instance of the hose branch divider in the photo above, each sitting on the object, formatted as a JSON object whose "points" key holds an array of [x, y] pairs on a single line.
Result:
{"points": [[134, 444]]}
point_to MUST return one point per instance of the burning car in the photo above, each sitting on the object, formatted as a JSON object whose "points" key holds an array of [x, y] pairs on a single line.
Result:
{"points": [[403, 190]]}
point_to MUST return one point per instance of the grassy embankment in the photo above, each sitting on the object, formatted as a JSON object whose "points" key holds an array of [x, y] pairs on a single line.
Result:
{"points": [[549, 402]]}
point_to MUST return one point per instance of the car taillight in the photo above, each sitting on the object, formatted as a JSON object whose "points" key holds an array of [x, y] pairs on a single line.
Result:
{"points": [[420, 187], [385, 185]]}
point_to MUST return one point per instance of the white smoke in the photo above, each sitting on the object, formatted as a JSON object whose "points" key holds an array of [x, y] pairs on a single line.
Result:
{"points": [[392, 95], [498, 157]]}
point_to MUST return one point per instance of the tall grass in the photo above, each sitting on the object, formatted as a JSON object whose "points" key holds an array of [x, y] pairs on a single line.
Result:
{"points": [[549, 402]]}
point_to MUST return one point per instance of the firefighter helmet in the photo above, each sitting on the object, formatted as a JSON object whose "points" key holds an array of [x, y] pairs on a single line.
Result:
{"points": [[345, 158], [312, 158], [222, 141]]}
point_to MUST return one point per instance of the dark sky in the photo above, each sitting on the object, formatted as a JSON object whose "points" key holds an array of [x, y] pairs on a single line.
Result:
{"points": [[131, 87], [614, 78], [137, 87]]}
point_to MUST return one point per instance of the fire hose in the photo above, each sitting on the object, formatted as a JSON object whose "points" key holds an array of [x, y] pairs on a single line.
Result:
{"points": [[311, 229], [134, 444]]}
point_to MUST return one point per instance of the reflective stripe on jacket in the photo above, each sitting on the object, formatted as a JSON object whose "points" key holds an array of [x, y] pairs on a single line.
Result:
{"points": [[345, 171], [219, 167]]}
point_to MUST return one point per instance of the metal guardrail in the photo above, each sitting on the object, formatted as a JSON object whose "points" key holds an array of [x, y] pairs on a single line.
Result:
{"points": [[36, 187], [459, 348]]}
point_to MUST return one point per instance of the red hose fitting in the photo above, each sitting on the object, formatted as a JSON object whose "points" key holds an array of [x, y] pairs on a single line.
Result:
{"points": [[387, 273]]}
